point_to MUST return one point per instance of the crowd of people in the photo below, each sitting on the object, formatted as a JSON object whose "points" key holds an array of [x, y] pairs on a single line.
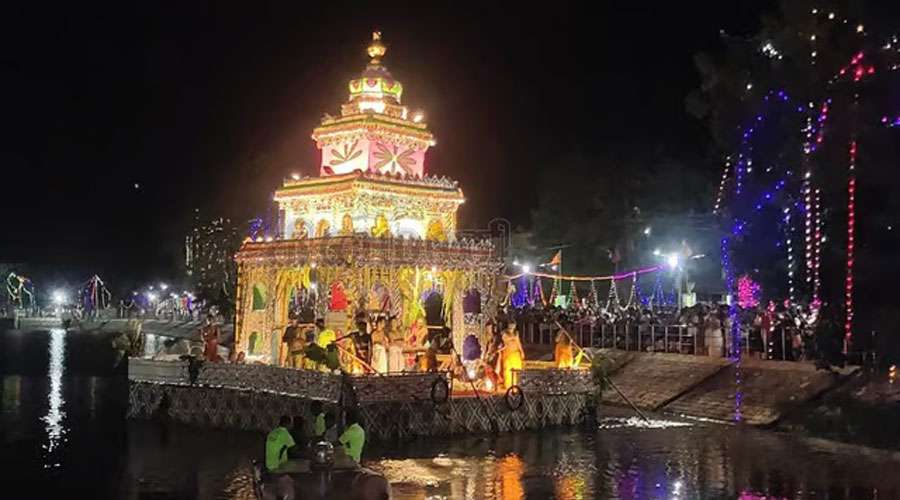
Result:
{"points": [[380, 345], [769, 331], [294, 437]]}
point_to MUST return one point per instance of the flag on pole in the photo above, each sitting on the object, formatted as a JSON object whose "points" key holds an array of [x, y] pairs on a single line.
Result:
{"points": [[557, 259]]}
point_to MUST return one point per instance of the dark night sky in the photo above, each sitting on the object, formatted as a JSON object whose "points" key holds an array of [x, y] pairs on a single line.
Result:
{"points": [[209, 106]]}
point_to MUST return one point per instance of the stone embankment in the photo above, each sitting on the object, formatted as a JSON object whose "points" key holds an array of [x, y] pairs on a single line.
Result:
{"points": [[762, 392]]}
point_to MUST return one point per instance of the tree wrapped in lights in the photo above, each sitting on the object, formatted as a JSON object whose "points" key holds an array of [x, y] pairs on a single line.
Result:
{"points": [[815, 82]]}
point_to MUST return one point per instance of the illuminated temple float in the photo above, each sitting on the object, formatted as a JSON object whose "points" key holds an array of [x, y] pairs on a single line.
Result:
{"points": [[372, 233]]}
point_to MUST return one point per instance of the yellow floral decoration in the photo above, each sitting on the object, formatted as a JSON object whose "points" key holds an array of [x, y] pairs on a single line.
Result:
{"points": [[436, 231], [322, 228], [381, 228], [347, 225]]}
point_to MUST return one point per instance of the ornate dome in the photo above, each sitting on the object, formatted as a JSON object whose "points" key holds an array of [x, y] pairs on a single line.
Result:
{"points": [[375, 88]]}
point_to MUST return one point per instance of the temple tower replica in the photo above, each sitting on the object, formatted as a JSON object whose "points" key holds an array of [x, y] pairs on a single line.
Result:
{"points": [[372, 233]]}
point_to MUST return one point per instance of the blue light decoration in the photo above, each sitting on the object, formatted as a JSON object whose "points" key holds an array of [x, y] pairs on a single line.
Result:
{"points": [[739, 228], [658, 296], [890, 122], [735, 353], [744, 162], [256, 228], [521, 298]]}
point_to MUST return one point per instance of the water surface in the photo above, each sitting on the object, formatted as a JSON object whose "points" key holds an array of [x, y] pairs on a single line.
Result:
{"points": [[64, 435]]}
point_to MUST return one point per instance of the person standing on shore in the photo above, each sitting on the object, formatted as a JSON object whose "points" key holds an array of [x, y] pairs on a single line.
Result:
{"points": [[210, 336]]}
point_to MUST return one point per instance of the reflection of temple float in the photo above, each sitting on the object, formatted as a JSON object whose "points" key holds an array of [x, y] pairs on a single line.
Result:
{"points": [[372, 233]]}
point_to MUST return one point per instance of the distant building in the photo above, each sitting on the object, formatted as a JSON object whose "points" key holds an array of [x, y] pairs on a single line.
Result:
{"points": [[209, 256]]}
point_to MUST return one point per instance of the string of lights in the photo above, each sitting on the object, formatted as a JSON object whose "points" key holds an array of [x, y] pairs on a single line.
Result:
{"points": [[851, 234], [720, 194], [817, 249]]}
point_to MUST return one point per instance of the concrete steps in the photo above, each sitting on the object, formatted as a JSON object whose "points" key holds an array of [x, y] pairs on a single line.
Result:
{"points": [[714, 388]]}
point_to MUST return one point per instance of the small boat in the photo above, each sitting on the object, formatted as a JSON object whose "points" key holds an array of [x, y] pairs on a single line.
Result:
{"points": [[325, 476]]}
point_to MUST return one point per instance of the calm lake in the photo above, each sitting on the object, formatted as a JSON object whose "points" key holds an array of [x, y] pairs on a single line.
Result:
{"points": [[64, 435]]}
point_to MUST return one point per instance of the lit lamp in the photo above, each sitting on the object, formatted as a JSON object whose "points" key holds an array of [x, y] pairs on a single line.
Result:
{"points": [[672, 260]]}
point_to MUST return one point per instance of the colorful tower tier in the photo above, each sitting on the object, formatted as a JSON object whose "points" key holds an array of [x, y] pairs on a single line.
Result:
{"points": [[375, 132], [372, 177]]}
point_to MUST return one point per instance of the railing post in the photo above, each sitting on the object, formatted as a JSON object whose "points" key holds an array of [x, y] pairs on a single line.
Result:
{"points": [[666, 339], [653, 337], [783, 358]]}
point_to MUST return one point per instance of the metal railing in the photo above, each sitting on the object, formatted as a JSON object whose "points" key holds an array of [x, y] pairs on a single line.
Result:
{"points": [[680, 339]]}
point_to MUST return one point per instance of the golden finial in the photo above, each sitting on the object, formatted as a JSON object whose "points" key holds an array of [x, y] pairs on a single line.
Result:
{"points": [[376, 49]]}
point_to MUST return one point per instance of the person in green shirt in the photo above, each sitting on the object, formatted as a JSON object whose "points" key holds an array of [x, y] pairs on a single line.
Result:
{"points": [[354, 437], [324, 336], [278, 442]]}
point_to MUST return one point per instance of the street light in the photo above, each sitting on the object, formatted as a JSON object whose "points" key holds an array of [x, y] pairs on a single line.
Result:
{"points": [[59, 297], [163, 286], [672, 260]]}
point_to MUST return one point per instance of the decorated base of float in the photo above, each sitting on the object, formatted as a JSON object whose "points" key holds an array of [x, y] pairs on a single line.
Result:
{"points": [[404, 405]]}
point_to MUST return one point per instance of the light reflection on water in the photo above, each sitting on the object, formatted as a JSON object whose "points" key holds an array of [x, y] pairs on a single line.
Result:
{"points": [[55, 417], [663, 460]]}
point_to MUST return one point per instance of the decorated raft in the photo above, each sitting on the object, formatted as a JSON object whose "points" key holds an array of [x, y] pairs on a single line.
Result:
{"points": [[253, 397], [373, 239]]}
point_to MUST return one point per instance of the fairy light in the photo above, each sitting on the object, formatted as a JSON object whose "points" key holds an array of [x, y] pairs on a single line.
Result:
{"points": [[817, 246], [789, 230], [851, 233], [744, 163], [857, 69], [747, 292], [770, 51], [722, 182]]}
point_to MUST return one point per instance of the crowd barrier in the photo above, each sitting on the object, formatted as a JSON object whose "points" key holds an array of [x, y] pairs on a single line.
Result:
{"points": [[677, 339]]}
